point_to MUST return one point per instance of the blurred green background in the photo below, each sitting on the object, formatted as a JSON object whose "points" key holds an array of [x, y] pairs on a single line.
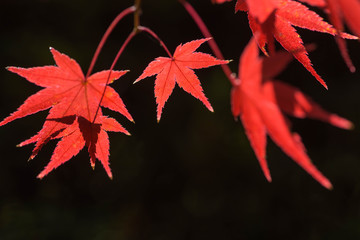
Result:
{"points": [[194, 175]]}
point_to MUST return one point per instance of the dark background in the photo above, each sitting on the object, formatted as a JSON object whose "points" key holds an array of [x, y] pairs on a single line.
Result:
{"points": [[194, 175]]}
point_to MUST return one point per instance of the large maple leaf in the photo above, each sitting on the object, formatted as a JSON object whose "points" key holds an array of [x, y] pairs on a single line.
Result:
{"points": [[259, 102], [178, 69], [75, 114], [278, 24]]}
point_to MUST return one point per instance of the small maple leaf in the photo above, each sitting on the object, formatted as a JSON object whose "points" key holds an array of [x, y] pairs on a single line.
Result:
{"points": [[75, 116], [178, 68], [279, 25], [259, 101]]}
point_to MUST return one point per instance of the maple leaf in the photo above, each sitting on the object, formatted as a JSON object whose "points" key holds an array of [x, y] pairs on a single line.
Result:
{"points": [[259, 102], [279, 26], [75, 115], [178, 69]]}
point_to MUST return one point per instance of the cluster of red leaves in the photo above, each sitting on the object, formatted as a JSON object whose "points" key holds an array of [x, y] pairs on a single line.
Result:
{"points": [[76, 117], [269, 19], [276, 22], [259, 102]]}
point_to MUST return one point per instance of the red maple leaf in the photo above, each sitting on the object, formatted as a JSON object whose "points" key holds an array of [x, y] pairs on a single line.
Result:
{"points": [[178, 69], [259, 102], [279, 25], [75, 116]]}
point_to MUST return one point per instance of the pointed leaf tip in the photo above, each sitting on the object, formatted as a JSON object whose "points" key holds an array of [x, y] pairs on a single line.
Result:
{"points": [[327, 184], [11, 68], [268, 177], [325, 85], [40, 176]]}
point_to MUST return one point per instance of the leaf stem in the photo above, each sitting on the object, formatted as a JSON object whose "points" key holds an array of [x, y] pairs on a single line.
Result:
{"points": [[214, 47], [137, 28], [128, 39], [107, 33], [149, 31]]}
